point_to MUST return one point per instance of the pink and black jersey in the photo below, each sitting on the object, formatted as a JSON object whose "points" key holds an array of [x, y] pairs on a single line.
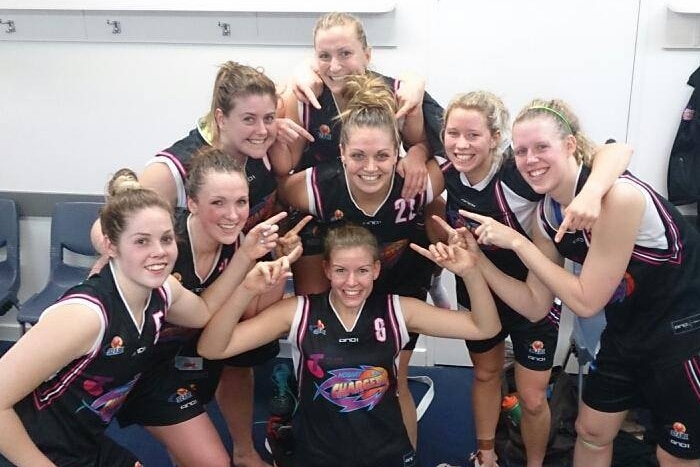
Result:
{"points": [[349, 408], [655, 311], [261, 180], [67, 415], [396, 223], [504, 196]]}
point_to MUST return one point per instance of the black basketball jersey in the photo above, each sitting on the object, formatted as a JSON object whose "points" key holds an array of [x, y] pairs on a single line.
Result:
{"points": [[172, 336], [262, 183], [502, 195], [325, 127], [68, 413], [396, 223], [349, 406], [655, 311]]}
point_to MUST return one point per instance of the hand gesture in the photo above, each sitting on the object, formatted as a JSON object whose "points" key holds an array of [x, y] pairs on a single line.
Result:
{"points": [[459, 255], [580, 214], [306, 84], [492, 232], [409, 95], [415, 174], [291, 239], [289, 131], [262, 238], [266, 275]]}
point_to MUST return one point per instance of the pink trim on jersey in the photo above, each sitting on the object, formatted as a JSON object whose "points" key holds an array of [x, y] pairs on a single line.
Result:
{"points": [[398, 345], [301, 333], [673, 236], [504, 207], [306, 115], [446, 166], [48, 395], [316, 194], [176, 161], [692, 371]]}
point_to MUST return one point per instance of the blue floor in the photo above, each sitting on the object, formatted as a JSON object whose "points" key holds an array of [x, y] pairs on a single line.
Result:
{"points": [[446, 431]]}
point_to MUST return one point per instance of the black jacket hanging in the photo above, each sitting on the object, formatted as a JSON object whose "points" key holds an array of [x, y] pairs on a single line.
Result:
{"points": [[683, 180]]}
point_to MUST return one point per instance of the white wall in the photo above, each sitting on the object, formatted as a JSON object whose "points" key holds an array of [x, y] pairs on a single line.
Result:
{"points": [[74, 112]]}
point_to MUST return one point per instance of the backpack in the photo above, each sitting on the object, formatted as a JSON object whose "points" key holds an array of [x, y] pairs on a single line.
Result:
{"points": [[562, 396]]}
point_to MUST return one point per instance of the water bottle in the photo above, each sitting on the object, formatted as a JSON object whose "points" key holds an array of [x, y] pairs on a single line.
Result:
{"points": [[511, 406]]}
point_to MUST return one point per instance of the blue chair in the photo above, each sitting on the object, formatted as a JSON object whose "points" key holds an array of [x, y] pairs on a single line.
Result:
{"points": [[70, 231], [9, 268]]}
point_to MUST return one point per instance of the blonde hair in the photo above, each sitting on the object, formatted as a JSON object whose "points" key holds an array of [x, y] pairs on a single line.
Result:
{"points": [[370, 104], [123, 179], [349, 235], [565, 121], [491, 107], [235, 80], [333, 19]]}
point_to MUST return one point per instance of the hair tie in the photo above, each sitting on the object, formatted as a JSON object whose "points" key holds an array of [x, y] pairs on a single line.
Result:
{"points": [[555, 112]]}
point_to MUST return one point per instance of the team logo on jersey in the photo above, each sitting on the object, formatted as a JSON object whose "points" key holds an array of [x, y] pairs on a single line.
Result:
{"points": [[678, 435], [318, 328], [324, 132], [116, 347], [391, 252], [107, 405], [355, 388], [536, 351], [337, 215], [181, 395], [624, 289]]}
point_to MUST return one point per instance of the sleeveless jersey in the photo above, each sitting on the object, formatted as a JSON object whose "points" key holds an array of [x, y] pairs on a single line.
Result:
{"points": [[261, 181], [68, 413], [655, 311], [325, 127], [396, 223], [172, 336], [502, 195], [349, 406]]}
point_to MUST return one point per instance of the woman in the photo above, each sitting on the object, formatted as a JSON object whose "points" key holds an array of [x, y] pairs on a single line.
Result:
{"points": [[639, 260], [340, 51], [478, 177], [54, 409], [346, 344], [169, 401], [366, 190], [242, 124]]}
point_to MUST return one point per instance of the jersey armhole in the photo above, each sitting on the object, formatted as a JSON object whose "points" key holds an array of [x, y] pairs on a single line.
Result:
{"points": [[401, 321], [177, 177], [92, 306]]}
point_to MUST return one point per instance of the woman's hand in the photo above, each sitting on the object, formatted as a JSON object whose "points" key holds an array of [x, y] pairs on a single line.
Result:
{"points": [[459, 255], [288, 132], [409, 95], [414, 172], [580, 214], [306, 84], [266, 275], [492, 232], [291, 239], [262, 238]]}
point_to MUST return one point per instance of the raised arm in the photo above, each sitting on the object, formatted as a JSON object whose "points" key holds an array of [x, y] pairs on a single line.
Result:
{"points": [[50, 345], [225, 336], [612, 240], [482, 323], [293, 192]]}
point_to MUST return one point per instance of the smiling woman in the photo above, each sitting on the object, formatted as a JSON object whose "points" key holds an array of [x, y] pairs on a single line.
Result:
{"points": [[54, 410]]}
